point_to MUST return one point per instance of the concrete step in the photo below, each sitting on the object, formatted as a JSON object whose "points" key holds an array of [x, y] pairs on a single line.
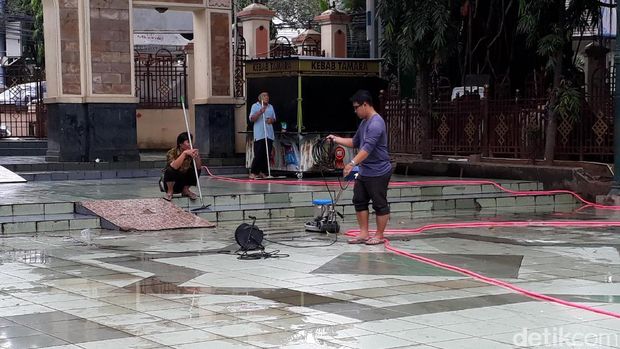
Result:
{"points": [[23, 147], [111, 174], [27, 224], [312, 193], [23, 151], [487, 201], [17, 143], [43, 217], [16, 164]]}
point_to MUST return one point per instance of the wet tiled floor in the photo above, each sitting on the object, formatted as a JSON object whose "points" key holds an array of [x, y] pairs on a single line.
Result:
{"points": [[188, 289]]}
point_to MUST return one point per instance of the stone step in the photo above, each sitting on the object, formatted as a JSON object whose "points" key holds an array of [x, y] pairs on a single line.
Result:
{"points": [[25, 224], [23, 147], [488, 201], [23, 143], [22, 151], [111, 174], [15, 164], [38, 217], [310, 194]]}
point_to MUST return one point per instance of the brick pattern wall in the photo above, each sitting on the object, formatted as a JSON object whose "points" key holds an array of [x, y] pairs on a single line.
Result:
{"points": [[220, 54], [70, 47], [110, 47]]}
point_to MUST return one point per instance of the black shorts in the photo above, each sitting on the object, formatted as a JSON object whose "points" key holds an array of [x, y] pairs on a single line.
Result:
{"points": [[372, 188]]}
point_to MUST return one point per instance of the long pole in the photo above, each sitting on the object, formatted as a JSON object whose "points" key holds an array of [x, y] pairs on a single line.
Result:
{"points": [[262, 104], [189, 136]]}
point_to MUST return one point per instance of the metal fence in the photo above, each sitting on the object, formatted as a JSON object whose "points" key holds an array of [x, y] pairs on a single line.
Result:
{"points": [[513, 128], [22, 111], [161, 79]]}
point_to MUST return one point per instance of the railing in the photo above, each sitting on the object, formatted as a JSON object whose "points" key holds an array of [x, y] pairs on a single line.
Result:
{"points": [[161, 80], [22, 111], [500, 128], [310, 47]]}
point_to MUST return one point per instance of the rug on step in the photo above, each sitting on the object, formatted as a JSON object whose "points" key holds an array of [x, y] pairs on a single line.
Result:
{"points": [[7, 176], [142, 214]]}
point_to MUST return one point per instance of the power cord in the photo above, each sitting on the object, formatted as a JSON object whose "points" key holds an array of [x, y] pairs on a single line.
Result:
{"points": [[302, 246], [245, 256]]}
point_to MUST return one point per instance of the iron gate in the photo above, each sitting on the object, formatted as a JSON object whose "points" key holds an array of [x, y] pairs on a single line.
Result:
{"points": [[22, 111]]}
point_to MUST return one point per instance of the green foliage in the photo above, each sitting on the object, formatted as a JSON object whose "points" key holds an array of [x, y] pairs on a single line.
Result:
{"points": [[568, 101], [548, 25], [417, 32], [296, 13], [354, 5], [323, 5]]}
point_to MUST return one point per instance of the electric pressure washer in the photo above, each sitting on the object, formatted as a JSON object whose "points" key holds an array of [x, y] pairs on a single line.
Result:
{"points": [[325, 210]]}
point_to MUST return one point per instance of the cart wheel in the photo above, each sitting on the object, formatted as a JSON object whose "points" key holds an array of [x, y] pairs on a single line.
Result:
{"points": [[300, 175], [335, 228]]}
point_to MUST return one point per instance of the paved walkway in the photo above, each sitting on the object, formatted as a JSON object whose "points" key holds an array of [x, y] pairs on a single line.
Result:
{"points": [[187, 289]]}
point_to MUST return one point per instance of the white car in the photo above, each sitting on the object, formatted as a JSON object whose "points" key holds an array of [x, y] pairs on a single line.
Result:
{"points": [[22, 94]]}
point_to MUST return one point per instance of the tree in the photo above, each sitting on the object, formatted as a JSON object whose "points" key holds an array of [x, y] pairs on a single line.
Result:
{"points": [[293, 13], [549, 26], [353, 5], [418, 34]]}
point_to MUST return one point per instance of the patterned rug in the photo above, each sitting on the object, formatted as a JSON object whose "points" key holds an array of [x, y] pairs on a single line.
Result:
{"points": [[142, 214]]}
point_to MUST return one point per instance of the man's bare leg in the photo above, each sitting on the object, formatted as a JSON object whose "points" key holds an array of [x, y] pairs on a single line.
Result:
{"points": [[170, 187], [362, 220], [382, 222]]}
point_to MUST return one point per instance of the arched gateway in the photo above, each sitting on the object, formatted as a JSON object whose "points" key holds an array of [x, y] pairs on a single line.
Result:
{"points": [[90, 77]]}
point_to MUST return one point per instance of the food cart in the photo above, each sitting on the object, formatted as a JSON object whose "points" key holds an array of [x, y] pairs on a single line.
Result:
{"points": [[310, 96]]}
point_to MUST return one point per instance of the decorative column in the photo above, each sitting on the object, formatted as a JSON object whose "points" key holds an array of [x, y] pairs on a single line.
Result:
{"points": [[90, 85], [213, 78], [334, 32], [255, 19]]}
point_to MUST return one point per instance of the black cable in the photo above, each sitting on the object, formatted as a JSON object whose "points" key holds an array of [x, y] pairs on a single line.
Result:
{"points": [[245, 256], [324, 153], [303, 246]]}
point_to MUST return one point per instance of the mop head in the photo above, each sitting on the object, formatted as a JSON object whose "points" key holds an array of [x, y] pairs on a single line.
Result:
{"points": [[142, 214]]}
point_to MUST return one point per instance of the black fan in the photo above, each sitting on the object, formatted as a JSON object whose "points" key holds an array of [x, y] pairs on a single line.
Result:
{"points": [[249, 237]]}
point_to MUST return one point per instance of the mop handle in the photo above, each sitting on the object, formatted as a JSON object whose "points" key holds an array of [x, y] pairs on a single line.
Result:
{"points": [[189, 136], [266, 144]]}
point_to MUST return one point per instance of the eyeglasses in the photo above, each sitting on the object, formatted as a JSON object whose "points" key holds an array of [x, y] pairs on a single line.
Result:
{"points": [[356, 106]]}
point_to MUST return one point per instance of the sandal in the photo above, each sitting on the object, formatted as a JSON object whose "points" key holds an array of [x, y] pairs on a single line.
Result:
{"points": [[357, 241], [375, 241], [168, 197]]}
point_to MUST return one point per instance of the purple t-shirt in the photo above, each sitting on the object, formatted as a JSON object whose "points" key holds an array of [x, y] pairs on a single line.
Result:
{"points": [[371, 136]]}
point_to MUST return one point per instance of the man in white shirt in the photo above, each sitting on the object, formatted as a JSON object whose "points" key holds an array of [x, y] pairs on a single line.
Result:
{"points": [[260, 111]]}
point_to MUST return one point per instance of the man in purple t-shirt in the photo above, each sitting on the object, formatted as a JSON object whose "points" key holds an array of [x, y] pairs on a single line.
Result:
{"points": [[375, 168]]}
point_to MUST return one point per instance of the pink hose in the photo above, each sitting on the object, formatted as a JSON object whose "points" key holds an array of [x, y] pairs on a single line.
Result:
{"points": [[426, 183], [488, 280]]}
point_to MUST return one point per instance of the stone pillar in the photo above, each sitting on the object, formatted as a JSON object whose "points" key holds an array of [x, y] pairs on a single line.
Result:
{"points": [[255, 19], [90, 85], [213, 73], [334, 32]]}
